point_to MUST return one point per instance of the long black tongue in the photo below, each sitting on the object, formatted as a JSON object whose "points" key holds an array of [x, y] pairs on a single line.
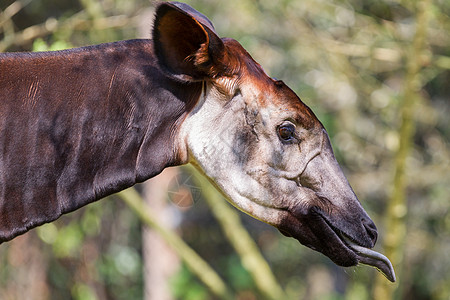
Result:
{"points": [[372, 258]]}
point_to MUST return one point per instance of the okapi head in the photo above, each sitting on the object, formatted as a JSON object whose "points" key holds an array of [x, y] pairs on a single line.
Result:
{"points": [[261, 146], [80, 124]]}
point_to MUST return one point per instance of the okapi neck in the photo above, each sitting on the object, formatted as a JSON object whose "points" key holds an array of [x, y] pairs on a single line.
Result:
{"points": [[83, 124]]}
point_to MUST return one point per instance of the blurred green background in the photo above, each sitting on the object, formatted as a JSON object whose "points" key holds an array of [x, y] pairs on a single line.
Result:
{"points": [[375, 72]]}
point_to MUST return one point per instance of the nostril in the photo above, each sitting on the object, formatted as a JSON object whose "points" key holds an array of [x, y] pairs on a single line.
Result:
{"points": [[371, 230]]}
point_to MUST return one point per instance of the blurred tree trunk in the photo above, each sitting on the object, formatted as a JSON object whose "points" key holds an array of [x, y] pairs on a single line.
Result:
{"points": [[27, 267], [397, 209], [160, 261]]}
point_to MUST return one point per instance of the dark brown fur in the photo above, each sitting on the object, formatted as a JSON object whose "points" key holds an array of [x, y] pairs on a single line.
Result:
{"points": [[77, 125]]}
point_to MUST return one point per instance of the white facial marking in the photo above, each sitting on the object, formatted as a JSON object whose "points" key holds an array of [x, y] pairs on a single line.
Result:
{"points": [[243, 162]]}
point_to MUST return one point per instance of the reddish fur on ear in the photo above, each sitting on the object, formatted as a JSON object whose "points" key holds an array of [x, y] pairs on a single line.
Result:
{"points": [[211, 65], [187, 49]]}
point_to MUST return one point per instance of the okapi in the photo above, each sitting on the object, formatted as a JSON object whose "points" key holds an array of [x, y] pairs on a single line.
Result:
{"points": [[80, 124]]}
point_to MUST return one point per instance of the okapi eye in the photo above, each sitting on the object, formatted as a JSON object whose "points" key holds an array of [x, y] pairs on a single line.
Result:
{"points": [[286, 132]]}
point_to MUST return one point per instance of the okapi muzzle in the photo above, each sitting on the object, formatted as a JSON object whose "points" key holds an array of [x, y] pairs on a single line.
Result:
{"points": [[80, 124]]}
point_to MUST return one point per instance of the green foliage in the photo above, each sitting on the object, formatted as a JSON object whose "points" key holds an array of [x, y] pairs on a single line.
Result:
{"points": [[83, 292], [185, 286], [68, 241], [40, 45], [238, 276]]}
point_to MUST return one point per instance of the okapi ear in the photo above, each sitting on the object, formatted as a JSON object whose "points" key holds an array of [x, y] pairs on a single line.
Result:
{"points": [[185, 42]]}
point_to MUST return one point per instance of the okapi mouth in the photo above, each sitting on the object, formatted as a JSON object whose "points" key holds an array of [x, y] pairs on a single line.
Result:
{"points": [[340, 247], [372, 258], [365, 255]]}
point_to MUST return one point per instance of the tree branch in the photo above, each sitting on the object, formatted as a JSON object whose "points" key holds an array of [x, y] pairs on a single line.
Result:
{"points": [[239, 238], [194, 262]]}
